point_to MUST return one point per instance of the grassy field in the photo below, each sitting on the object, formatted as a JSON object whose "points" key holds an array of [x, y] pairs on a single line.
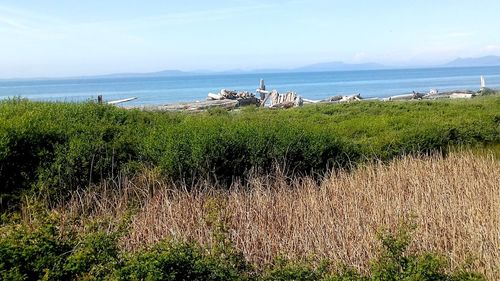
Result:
{"points": [[54, 148], [350, 226], [362, 191], [454, 202]]}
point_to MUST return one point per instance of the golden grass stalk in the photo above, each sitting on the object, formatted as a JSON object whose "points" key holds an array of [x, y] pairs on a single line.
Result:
{"points": [[454, 202]]}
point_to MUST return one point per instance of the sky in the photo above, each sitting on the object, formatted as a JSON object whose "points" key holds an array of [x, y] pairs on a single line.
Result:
{"points": [[73, 37]]}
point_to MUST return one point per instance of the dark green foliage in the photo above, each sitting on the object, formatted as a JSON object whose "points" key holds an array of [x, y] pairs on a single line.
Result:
{"points": [[284, 270], [33, 254], [395, 263], [52, 148], [178, 261], [46, 250], [94, 257]]}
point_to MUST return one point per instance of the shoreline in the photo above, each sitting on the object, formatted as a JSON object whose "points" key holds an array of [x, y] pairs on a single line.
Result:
{"points": [[156, 91], [298, 101]]}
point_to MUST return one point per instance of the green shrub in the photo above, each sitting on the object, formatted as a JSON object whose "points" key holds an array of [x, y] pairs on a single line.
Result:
{"points": [[95, 257], [394, 263], [33, 254], [284, 270], [53, 148], [177, 261], [46, 250]]}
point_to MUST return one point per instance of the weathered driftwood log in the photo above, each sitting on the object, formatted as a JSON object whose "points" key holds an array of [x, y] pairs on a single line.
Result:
{"points": [[212, 96], [262, 85], [249, 101], [263, 95], [334, 98], [288, 104], [311, 101], [192, 106], [418, 96], [451, 95], [230, 95], [121, 101], [268, 96], [412, 96], [401, 97], [283, 100], [299, 101], [351, 98], [461, 96], [436, 97]]}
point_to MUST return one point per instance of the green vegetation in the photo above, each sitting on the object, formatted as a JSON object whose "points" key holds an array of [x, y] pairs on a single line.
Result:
{"points": [[48, 150], [46, 250], [53, 148]]}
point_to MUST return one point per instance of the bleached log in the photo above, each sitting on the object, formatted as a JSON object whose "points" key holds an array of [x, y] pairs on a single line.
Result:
{"points": [[437, 97], [249, 101], [310, 101], [412, 96], [212, 96], [263, 94], [193, 106], [461, 96], [417, 96], [334, 98], [284, 105], [356, 97], [274, 97], [402, 97], [121, 101], [299, 101]]}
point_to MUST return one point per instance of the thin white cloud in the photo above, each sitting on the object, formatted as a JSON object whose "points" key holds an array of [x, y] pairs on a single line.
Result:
{"points": [[38, 25], [173, 19], [491, 48], [459, 34], [25, 22]]}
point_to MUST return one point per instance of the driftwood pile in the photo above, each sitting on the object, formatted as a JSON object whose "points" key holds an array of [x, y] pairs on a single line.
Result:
{"points": [[272, 99], [242, 98], [337, 99], [433, 94], [341, 99], [230, 95], [191, 106], [229, 99]]}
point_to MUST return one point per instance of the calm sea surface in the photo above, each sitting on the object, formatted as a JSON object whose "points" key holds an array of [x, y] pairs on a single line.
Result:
{"points": [[320, 85]]}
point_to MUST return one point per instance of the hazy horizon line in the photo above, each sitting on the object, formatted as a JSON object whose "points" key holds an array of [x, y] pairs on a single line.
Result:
{"points": [[242, 71]]}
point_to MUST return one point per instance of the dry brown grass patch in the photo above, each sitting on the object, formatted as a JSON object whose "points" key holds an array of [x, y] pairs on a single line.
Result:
{"points": [[454, 202]]}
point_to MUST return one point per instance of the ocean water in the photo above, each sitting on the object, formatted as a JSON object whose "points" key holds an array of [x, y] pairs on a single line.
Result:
{"points": [[318, 85]]}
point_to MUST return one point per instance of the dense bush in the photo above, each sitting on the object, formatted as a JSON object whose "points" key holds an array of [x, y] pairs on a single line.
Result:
{"points": [[44, 250], [55, 147]]}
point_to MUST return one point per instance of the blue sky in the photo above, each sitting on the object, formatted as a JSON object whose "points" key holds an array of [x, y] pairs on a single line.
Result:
{"points": [[64, 38]]}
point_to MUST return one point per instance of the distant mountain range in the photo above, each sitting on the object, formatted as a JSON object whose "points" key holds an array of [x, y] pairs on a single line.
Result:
{"points": [[472, 62], [318, 67], [338, 65], [163, 73], [328, 66]]}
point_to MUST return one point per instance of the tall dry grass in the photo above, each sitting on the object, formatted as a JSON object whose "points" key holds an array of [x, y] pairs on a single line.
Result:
{"points": [[454, 202]]}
